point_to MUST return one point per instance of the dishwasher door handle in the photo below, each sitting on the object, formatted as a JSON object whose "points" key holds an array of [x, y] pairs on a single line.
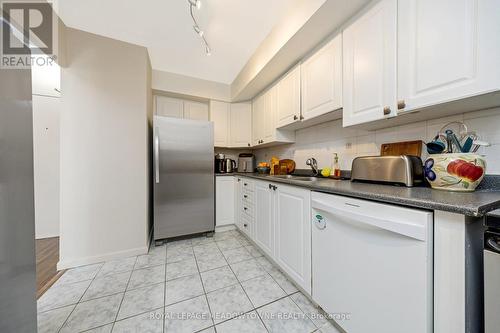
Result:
{"points": [[410, 230]]}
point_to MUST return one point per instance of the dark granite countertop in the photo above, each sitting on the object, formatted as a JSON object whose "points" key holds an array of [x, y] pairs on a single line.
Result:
{"points": [[478, 203]]}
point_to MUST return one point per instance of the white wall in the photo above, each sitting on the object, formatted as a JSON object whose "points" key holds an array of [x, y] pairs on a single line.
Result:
{"points": [[105, 150], [321, 141], [46, 165]]}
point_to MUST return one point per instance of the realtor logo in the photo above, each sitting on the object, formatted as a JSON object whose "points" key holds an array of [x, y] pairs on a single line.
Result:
{"points": [[28, 33]]}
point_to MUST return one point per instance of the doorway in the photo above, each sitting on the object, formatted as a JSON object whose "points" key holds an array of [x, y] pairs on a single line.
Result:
{"points": [[46, 111]]}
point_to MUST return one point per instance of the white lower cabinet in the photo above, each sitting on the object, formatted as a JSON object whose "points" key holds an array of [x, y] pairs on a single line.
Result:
{"points": [[279, 223], [293, 233], [224, 200], [264, 217]]}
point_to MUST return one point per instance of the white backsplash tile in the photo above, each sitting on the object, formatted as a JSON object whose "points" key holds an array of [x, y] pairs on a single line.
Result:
{"points": [[322, 140]]}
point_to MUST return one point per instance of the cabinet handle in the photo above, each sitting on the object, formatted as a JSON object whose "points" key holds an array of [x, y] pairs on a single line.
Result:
{"points": [[270, 186], [275, 188], [387, 110], [245, 225], [401, 104], [248, 144], [239, 180], [244, 208], [295, 117], [301, 117], [245, 196]]}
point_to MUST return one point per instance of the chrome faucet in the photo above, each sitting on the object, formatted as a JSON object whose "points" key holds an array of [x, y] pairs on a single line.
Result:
{"points": [[314, 165]]}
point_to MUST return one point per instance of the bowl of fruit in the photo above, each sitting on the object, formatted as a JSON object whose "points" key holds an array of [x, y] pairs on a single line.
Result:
{"points": [[455, 172], [263, 168]]}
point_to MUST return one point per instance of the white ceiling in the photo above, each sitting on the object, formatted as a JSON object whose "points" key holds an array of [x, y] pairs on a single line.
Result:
{"points": [[234, 29]]}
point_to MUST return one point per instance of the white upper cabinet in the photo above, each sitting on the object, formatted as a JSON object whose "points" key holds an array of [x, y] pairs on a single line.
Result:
{"points": [[269, 115], [169, 107], [219, 114], [447, 50], [369, 48], [180, 108], [241, 125], [288, 98], [258, 111], [264, 120], [321, 78], [195, 110]]}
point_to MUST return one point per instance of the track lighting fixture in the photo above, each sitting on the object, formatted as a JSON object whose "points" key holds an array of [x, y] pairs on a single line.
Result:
{"points": [[197, 4]]}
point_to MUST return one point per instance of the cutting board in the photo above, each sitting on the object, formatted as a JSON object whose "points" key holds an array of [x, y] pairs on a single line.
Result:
{"points": [[413, 148], [285, 167]]}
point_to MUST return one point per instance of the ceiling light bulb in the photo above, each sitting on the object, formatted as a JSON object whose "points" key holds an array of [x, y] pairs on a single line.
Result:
{"points": [[208, 51]]}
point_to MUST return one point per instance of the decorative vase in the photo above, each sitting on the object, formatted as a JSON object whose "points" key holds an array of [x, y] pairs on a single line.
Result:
{"points": [[455, 172]]}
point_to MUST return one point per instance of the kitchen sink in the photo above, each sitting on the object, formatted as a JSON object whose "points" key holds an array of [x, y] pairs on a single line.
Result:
{"points": [[305, 179], [300, 178]]}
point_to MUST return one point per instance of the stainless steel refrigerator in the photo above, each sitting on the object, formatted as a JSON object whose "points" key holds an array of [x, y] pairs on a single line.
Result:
{"points": [[183, 154], [17, 218]]}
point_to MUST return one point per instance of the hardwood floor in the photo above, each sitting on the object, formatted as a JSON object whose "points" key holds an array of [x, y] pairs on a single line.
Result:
{"points": [[47, 256]]}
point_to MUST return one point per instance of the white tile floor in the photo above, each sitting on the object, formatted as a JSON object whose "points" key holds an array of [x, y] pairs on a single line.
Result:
{"points": [[219, 284]]}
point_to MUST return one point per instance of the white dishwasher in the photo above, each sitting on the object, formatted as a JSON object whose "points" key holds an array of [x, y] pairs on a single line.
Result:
{"points": [[372, 265]]}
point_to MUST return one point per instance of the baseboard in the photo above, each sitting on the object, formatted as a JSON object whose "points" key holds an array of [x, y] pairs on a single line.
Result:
{"points": [[65, 264], [43, 236], [225, 227]]}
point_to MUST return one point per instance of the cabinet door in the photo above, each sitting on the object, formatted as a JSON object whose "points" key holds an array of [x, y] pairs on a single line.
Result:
{"points": [[321, 79], [169, 107], [219, 114], [288, 99], [241, 125], [195, 110], [264, 217], [257, 120], [269, 115], [369, 47], [293, 233], [447, 50], [224, 200]]}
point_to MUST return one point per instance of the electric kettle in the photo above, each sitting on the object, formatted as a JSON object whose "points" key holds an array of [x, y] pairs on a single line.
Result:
{"points": [[230, 165]]}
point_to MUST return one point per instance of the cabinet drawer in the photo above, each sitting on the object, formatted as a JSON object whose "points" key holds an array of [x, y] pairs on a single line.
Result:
{"points": [[247, 210], [246, 225], [247, 185], [247, 197]]}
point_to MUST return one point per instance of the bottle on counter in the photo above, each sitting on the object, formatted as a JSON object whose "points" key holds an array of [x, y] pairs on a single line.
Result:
{"points": [[335, 166]]}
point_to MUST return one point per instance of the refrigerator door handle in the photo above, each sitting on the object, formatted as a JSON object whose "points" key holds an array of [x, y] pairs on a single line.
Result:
{"points": [[157, 159]]}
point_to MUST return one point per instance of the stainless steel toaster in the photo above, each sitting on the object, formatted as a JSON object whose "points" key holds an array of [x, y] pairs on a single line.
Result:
{"points": [[246, 162], [403, 169]]}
